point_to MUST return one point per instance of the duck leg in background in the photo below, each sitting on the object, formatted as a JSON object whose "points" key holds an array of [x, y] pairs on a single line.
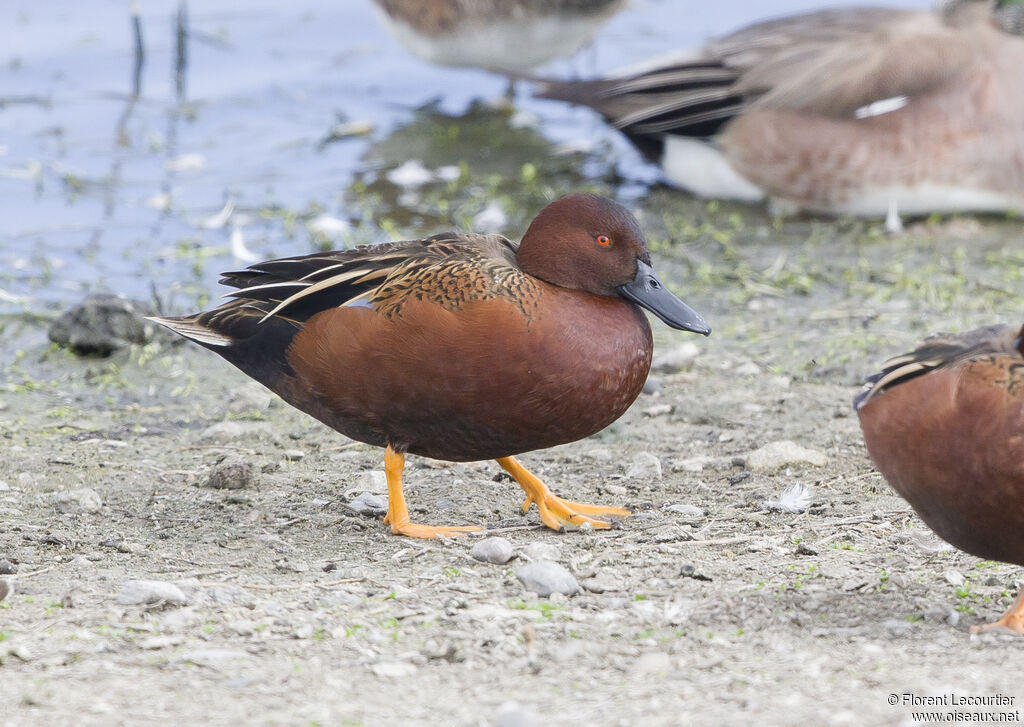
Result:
{"points": [[1012, 620], [555, 512], [398, 512]]}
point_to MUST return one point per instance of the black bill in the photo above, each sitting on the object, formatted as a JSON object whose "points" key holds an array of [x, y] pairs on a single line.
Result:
{"points": [[648, 291]]}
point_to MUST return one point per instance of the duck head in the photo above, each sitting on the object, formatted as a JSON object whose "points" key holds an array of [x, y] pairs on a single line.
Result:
{"points": [[587, 242]]}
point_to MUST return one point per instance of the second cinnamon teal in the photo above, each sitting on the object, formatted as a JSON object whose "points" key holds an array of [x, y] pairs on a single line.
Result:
{"points": [[945, 426], [862, 111], [458, 346]]}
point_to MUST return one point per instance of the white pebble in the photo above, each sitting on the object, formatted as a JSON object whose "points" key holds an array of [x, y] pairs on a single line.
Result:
{"points": [[644, 466], [83, 500], [542, 551], [685, 511], [135, 593], [492, 550], [367, 503], [545, 577], [676, 359], [776, 455]]}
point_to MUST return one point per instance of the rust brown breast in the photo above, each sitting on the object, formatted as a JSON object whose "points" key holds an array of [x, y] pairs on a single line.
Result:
{"points": [[480, 380], [951, 441]]}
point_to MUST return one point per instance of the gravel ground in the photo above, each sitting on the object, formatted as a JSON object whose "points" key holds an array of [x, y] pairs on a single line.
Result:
{"points": [[183, 547]]}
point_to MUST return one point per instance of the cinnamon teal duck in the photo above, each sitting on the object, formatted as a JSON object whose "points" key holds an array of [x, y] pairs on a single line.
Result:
{"points": [[861, 111], [458, 346], [496, 35], [945, 425]]}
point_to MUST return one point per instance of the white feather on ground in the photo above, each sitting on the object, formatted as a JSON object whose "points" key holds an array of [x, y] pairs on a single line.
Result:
{"points": [[795, 498]]}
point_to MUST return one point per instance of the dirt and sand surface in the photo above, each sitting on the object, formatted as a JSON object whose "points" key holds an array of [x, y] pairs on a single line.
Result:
{"points": [[277, 603], [706, 606]]}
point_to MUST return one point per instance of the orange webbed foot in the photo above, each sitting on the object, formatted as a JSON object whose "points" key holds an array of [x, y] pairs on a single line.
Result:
{"points": [[415, 530], [398, 512], [1012, 620], [556, 513]]}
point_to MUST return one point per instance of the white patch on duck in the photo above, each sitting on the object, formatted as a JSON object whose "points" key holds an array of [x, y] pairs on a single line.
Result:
{"points": [[925, 199], [700, 168], [882, 106]]}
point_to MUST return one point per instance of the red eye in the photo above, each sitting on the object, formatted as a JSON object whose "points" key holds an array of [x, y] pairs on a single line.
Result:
{"points": [[604, 240]]}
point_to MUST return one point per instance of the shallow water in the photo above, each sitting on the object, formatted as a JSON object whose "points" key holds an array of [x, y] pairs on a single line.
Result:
{"points": [[100, 191]]}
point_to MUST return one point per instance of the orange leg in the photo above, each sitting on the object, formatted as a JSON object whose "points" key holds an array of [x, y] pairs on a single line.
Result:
{"points": [[1012, 620], [556, 513], [398, 512]]}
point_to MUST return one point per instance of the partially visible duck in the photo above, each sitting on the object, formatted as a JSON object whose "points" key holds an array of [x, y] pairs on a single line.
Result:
{"points": [[458, 346], [496, 35], [863, 111], [945, 426]]}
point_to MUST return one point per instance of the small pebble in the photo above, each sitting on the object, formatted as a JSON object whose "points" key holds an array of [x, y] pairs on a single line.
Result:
{"points": [[366, 503], [653, 663], [135, 593], [7, 568], [953, 578], [513, 714], [293, 455], [692, 464], [659, 410], [373, 481], [690, 571], [542, 551], [545, 577], [232, 474], [292, 565], [676, 359], [685, 511], [653, 385], [249, 398], [644, 466], [222, 595], [616, 490], [776, 455], [492, 550], [161, 642], [393, 669], [747, 369], [6, 588], [230, 431], [802, 549], [83, 500], [213, 657], [241, 628]]}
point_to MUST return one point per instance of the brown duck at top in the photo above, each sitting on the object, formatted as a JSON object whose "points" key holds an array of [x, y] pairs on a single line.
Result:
{"points": [[945, 426], [459, 346]]}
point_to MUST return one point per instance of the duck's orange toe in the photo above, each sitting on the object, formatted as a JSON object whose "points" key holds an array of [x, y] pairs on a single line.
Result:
{"points": [[1012, 620], [559, 514], [556, 513], [415, 530]]}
